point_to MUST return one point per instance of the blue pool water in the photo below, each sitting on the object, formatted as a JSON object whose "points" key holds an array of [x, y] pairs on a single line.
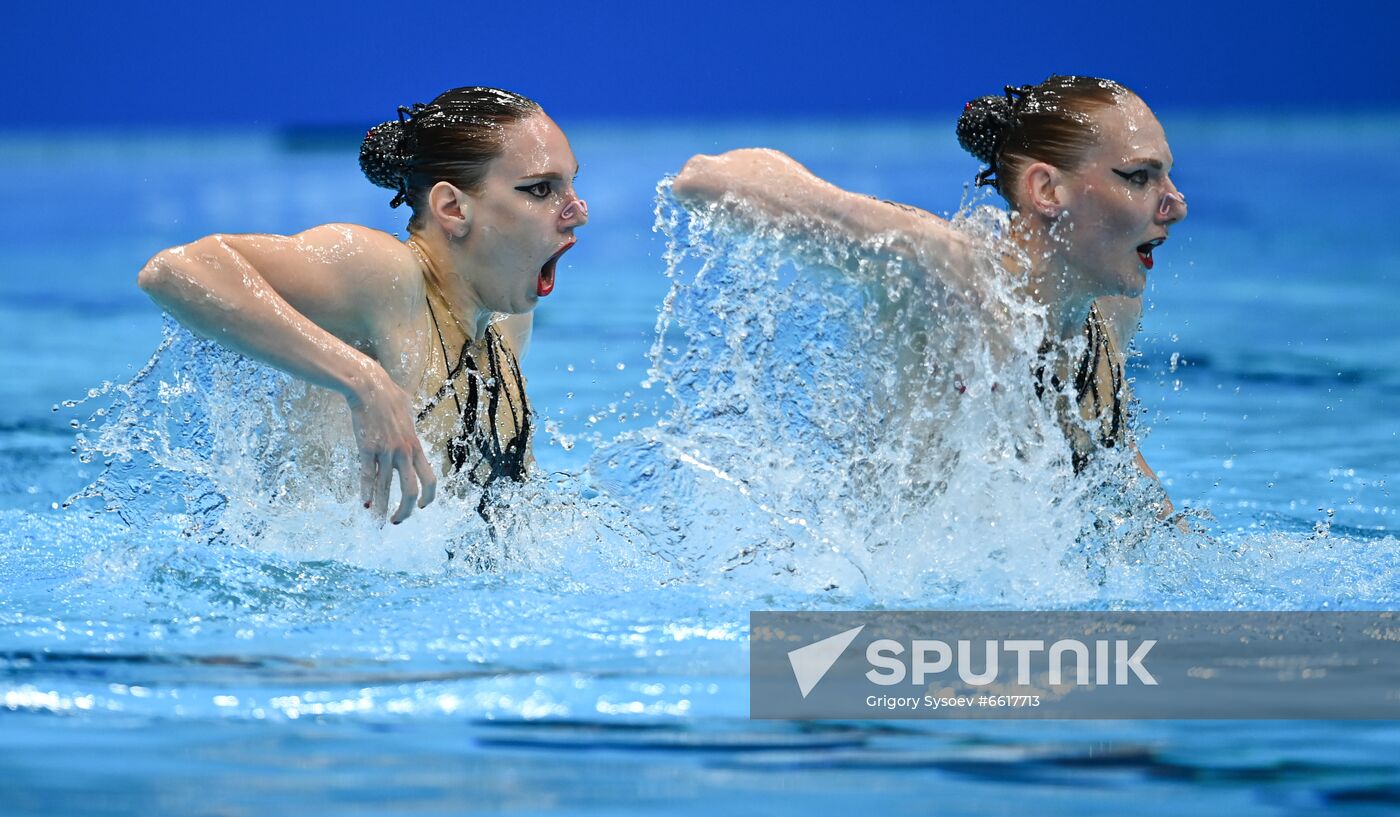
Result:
{"points": [[301, 658]]}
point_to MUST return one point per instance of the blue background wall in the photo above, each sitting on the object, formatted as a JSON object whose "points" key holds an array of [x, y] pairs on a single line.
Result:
{"points": [[323, 63]]}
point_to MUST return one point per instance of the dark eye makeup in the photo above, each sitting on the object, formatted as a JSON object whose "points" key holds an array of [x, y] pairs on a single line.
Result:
{"points": [[1138, 177], [539, 189]]}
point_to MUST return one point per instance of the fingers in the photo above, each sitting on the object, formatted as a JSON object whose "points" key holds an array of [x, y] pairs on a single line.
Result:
{"points": [[426, 477], [367, 474], [417, 482], [385, 435], [382, 480], [408, 490]]}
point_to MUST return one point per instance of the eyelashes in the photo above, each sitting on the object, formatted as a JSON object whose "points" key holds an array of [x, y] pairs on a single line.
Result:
{"points": [[1137, 177]]}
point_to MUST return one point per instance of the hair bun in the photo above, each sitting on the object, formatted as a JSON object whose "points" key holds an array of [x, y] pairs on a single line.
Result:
{"points": [[383, 155], [982, 126]]}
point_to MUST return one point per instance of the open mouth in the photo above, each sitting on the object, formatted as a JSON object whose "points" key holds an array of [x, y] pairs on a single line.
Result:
{"points": [[545, 285], [1145, 249]]}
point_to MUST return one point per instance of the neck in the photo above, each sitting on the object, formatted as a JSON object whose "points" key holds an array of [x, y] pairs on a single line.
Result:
{"points": [[444, 272], [1050, 281]]}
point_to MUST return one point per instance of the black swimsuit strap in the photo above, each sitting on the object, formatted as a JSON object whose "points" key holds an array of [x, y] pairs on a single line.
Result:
{"points": [[1101, 351], [463, 360], [507, 459], [521, 439]]}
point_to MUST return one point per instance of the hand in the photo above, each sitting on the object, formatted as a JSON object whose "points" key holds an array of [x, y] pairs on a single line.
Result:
{"points": [[387, 441], [699, 180], [708, 178], [1180, 519]]}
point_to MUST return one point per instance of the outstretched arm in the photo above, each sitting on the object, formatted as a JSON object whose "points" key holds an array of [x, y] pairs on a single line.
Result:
{"points": [[766, 184], [312, 305]]}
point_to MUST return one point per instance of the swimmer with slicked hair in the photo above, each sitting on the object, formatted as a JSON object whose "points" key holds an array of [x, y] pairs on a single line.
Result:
{"points": [[1085, 169], [406, 331]]}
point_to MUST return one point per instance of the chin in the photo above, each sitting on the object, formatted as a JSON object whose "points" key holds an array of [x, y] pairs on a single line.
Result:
{"points": [[520, 306], [1133, 285]]}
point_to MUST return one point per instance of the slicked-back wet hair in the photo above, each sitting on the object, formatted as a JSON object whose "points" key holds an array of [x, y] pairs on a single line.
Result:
{"points": [[454, 138], [1051, 122]]}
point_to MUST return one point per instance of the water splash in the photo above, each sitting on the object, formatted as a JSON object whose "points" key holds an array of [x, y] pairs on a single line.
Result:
{"points": [[834, 433], [837, 426], [226, 454]]}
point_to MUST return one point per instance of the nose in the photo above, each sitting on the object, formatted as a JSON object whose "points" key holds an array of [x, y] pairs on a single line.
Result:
{"points": [[575, 213], [1173, 207]]}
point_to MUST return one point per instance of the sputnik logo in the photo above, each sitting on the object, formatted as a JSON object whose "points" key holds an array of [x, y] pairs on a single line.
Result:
{"points": [[811, 663]]}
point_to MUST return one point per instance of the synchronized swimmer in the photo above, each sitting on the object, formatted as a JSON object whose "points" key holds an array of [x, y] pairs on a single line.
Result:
{"points": [[1085, 168], [405, 330]]}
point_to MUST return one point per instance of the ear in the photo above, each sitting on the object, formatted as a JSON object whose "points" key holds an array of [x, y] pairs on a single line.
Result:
{"points": [[451, 208], [1043, 190]]}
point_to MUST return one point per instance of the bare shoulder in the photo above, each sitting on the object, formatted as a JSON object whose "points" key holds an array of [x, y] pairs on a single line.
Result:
{"points": [[353, 281], [934, 228], [373, 260], [384, 274], [940, 251], [377, 271]]}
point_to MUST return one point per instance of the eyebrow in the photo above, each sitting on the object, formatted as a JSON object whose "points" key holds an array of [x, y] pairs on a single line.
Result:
{"points": [[551, 175], [1146, 160]]}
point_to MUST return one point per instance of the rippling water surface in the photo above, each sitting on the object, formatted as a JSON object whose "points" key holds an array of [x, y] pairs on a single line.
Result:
{"points": [[189, 639]]}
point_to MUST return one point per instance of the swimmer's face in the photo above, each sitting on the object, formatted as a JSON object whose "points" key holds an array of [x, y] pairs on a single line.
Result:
{"points": [[1120, 201], [524, 216]]}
